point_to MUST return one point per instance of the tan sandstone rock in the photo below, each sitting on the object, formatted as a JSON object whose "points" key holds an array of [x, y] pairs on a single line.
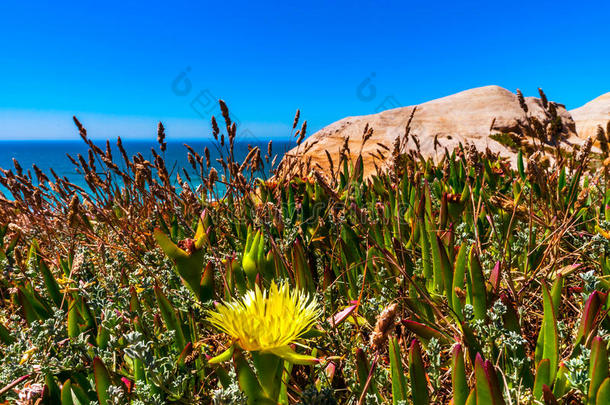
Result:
{"points": [[463, 117], [591, 115]]}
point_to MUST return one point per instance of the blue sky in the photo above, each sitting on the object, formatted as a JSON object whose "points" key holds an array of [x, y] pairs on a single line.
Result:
{"points": [[113, 63]]}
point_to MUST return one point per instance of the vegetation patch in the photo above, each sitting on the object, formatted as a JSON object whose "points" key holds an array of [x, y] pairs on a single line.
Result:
{"points": [[462, 280]]}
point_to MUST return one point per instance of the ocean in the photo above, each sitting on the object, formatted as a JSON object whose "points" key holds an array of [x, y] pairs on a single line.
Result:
{"points": [[52, 154]]}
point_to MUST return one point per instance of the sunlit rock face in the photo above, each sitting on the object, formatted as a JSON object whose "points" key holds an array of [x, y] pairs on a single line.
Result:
{"points": [[591, 115], [469, 116]]}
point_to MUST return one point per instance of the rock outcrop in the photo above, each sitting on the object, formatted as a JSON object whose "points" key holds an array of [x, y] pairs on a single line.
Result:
{"points": [[470, 116], [591, 115]]}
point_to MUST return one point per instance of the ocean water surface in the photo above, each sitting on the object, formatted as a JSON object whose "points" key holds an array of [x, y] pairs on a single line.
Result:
{"points": [[52, 154]]}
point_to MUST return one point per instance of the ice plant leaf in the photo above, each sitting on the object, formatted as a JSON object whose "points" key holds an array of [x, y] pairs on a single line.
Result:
{"points": [[103, 336], [417, 375], [520, 165], [487, 386], [495, 277], [269, 369], [547, 396], [31, 305], [425, 253], [169, 247], [224, 356], [561, 381], [547, 346], [206, 287], [248, 382], [102, 381], [189, 265], [342, 315], [556, 292], [446, 269], [587, 321], [283, 397], [363, 368], [5, 335], [437, 269], [47, 276], [477, 279], [302, 271], [74, 319], [171, 318], [423, 331], [188, 349], [472, 397], [459, 378], [399, 383], [603, 393], [267, 320], [471, 341], [200, 233], [66, 393], [134, 301], [459, 273], [52, 394], [598, 367], [543, 377], [249, 262], [288, 354]]}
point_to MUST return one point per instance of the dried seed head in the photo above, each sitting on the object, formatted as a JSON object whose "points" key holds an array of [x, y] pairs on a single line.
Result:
{"points": [[522, 101], [601, 138], [213, 176], [533, 171], [215, 129], [161, 134], [415, 139], [91, 160], [108, 153], [585, 150], [330, 162], [39, 174], [17, 167], [384, 324], [345, 151], [367, 134], [233, 131], [73, 209], [119, 144], [186, 174], [396, 148], [545, 101], [225, 112], [191, 357], [302, 132], [191, 160], [248, 158], [493, 123], [446, 169], [472, 156], [296, 119], [206, 152], [552, 110], [81, 130]]}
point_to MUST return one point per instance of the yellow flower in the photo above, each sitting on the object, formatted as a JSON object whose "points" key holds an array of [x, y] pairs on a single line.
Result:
{"points": [[267, 321]]}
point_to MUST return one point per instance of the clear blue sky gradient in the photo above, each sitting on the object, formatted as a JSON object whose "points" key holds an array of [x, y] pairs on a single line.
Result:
{"points": [[113, 63]]}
